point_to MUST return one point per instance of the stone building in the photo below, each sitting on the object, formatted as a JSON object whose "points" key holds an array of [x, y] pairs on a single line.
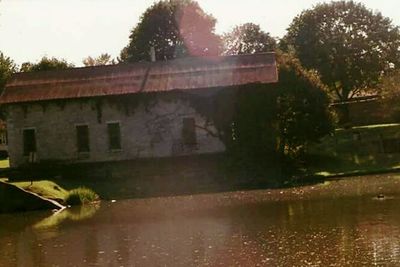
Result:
{"points": [[125, 111]]}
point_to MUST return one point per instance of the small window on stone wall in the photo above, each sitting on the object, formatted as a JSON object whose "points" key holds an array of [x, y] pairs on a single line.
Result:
{"points": [[189, 131], [82, 138], [29, 139], [3, 138], [114, 136]]}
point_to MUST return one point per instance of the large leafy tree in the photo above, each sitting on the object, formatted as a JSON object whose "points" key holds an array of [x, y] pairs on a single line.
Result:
{"points": [[7, 67], [174, 28], [273, 123], [349, 45], [390, 92], [103, 59], [46, 64], [248, 38]]}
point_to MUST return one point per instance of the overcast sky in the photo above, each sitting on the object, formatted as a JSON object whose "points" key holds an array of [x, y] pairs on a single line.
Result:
{"points": [[74, 29]]}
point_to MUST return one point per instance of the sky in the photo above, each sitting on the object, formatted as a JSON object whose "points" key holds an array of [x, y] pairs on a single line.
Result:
{"points": [[75, 29]]}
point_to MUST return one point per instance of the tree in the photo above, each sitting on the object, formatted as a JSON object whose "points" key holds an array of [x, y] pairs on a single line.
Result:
{"points": [[103, 59], [390, 85], [46, 64], [174, 28], [390, 92], [247, 39], [7, 67], [349, 45], [273, 123]]}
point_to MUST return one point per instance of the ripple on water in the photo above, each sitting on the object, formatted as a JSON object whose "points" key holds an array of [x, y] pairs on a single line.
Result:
{"points": [[229, 229]]}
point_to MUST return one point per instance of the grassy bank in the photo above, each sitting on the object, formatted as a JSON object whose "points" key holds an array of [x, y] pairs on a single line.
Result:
{"points": [[359, 150], [356, 151], [44, 188], [74, 195], [5, 163]]}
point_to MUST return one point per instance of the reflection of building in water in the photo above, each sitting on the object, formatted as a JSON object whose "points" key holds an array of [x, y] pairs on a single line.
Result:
{"points": [[129, 240], [218, 231]]}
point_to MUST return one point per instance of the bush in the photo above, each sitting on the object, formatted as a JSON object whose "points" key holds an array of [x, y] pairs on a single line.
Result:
{"points": [[81, 195], [283, 116], [273, 123]]}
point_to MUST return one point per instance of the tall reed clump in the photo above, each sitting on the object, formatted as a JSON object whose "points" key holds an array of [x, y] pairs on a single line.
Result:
{"points": [[81, 195]]}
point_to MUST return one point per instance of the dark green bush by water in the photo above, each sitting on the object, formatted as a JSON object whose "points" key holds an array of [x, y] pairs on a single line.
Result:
{"points": [[81, 195]]}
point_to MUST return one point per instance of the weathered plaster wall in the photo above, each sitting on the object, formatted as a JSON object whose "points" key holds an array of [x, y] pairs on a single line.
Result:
{"points": [[147, 131]]}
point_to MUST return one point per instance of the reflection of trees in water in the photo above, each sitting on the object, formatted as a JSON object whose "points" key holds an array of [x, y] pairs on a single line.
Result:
{"points": [[18, 243], [344, 231], [123, 246], [91, 248], [37, 245], [382, 241], [319, 232], [74, 214], [8, 251]]}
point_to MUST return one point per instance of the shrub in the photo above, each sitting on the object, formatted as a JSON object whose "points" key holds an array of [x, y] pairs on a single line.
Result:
{"points": [[81, 195], [277, 120]]}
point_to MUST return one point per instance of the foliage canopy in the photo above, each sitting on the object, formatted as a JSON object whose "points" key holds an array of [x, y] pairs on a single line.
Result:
{"points": [[276, 121], [103, 59], [46, 64], [248, 38], [390, 92], [7, 67], [175, 28], [349, 45]]}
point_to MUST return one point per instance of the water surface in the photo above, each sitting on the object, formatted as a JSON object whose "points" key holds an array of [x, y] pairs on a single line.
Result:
{"points": [[334, 224]]}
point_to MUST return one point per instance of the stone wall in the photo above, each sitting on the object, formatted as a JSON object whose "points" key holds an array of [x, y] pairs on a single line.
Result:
{"points": [[147, 131]]}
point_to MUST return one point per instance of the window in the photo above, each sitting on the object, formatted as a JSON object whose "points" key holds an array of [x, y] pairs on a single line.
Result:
{"points": [[3, 138], [82, 137], [29, 137], [189, 131], [114, 136]]}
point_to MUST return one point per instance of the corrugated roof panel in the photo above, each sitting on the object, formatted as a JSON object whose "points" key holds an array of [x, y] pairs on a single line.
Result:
{"points": [[186, 73]]}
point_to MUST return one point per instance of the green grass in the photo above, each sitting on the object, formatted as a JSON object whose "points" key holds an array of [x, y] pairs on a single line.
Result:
{"points": [[354, 151], [73, 214], [52, 190], [44, 188], [5, 163], [81, 195], [56, 189]]}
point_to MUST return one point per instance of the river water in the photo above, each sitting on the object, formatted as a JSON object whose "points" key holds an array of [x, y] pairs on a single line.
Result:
{"points": [[339, 223]]}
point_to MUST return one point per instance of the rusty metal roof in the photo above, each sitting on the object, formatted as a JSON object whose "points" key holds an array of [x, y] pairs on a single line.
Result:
{"points": [[161, 76]]}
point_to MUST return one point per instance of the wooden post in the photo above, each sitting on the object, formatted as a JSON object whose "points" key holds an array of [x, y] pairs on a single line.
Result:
{"points": [[32, 159]]}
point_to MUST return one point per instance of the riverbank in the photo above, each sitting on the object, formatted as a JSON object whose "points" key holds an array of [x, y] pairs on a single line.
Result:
{"points": [[383, 187], [360, 150], [372, 185], [366, 150], [16, 199], [120, 188]]}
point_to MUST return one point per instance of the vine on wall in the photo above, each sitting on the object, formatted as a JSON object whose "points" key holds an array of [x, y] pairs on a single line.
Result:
{"points": [[216, 107]]}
